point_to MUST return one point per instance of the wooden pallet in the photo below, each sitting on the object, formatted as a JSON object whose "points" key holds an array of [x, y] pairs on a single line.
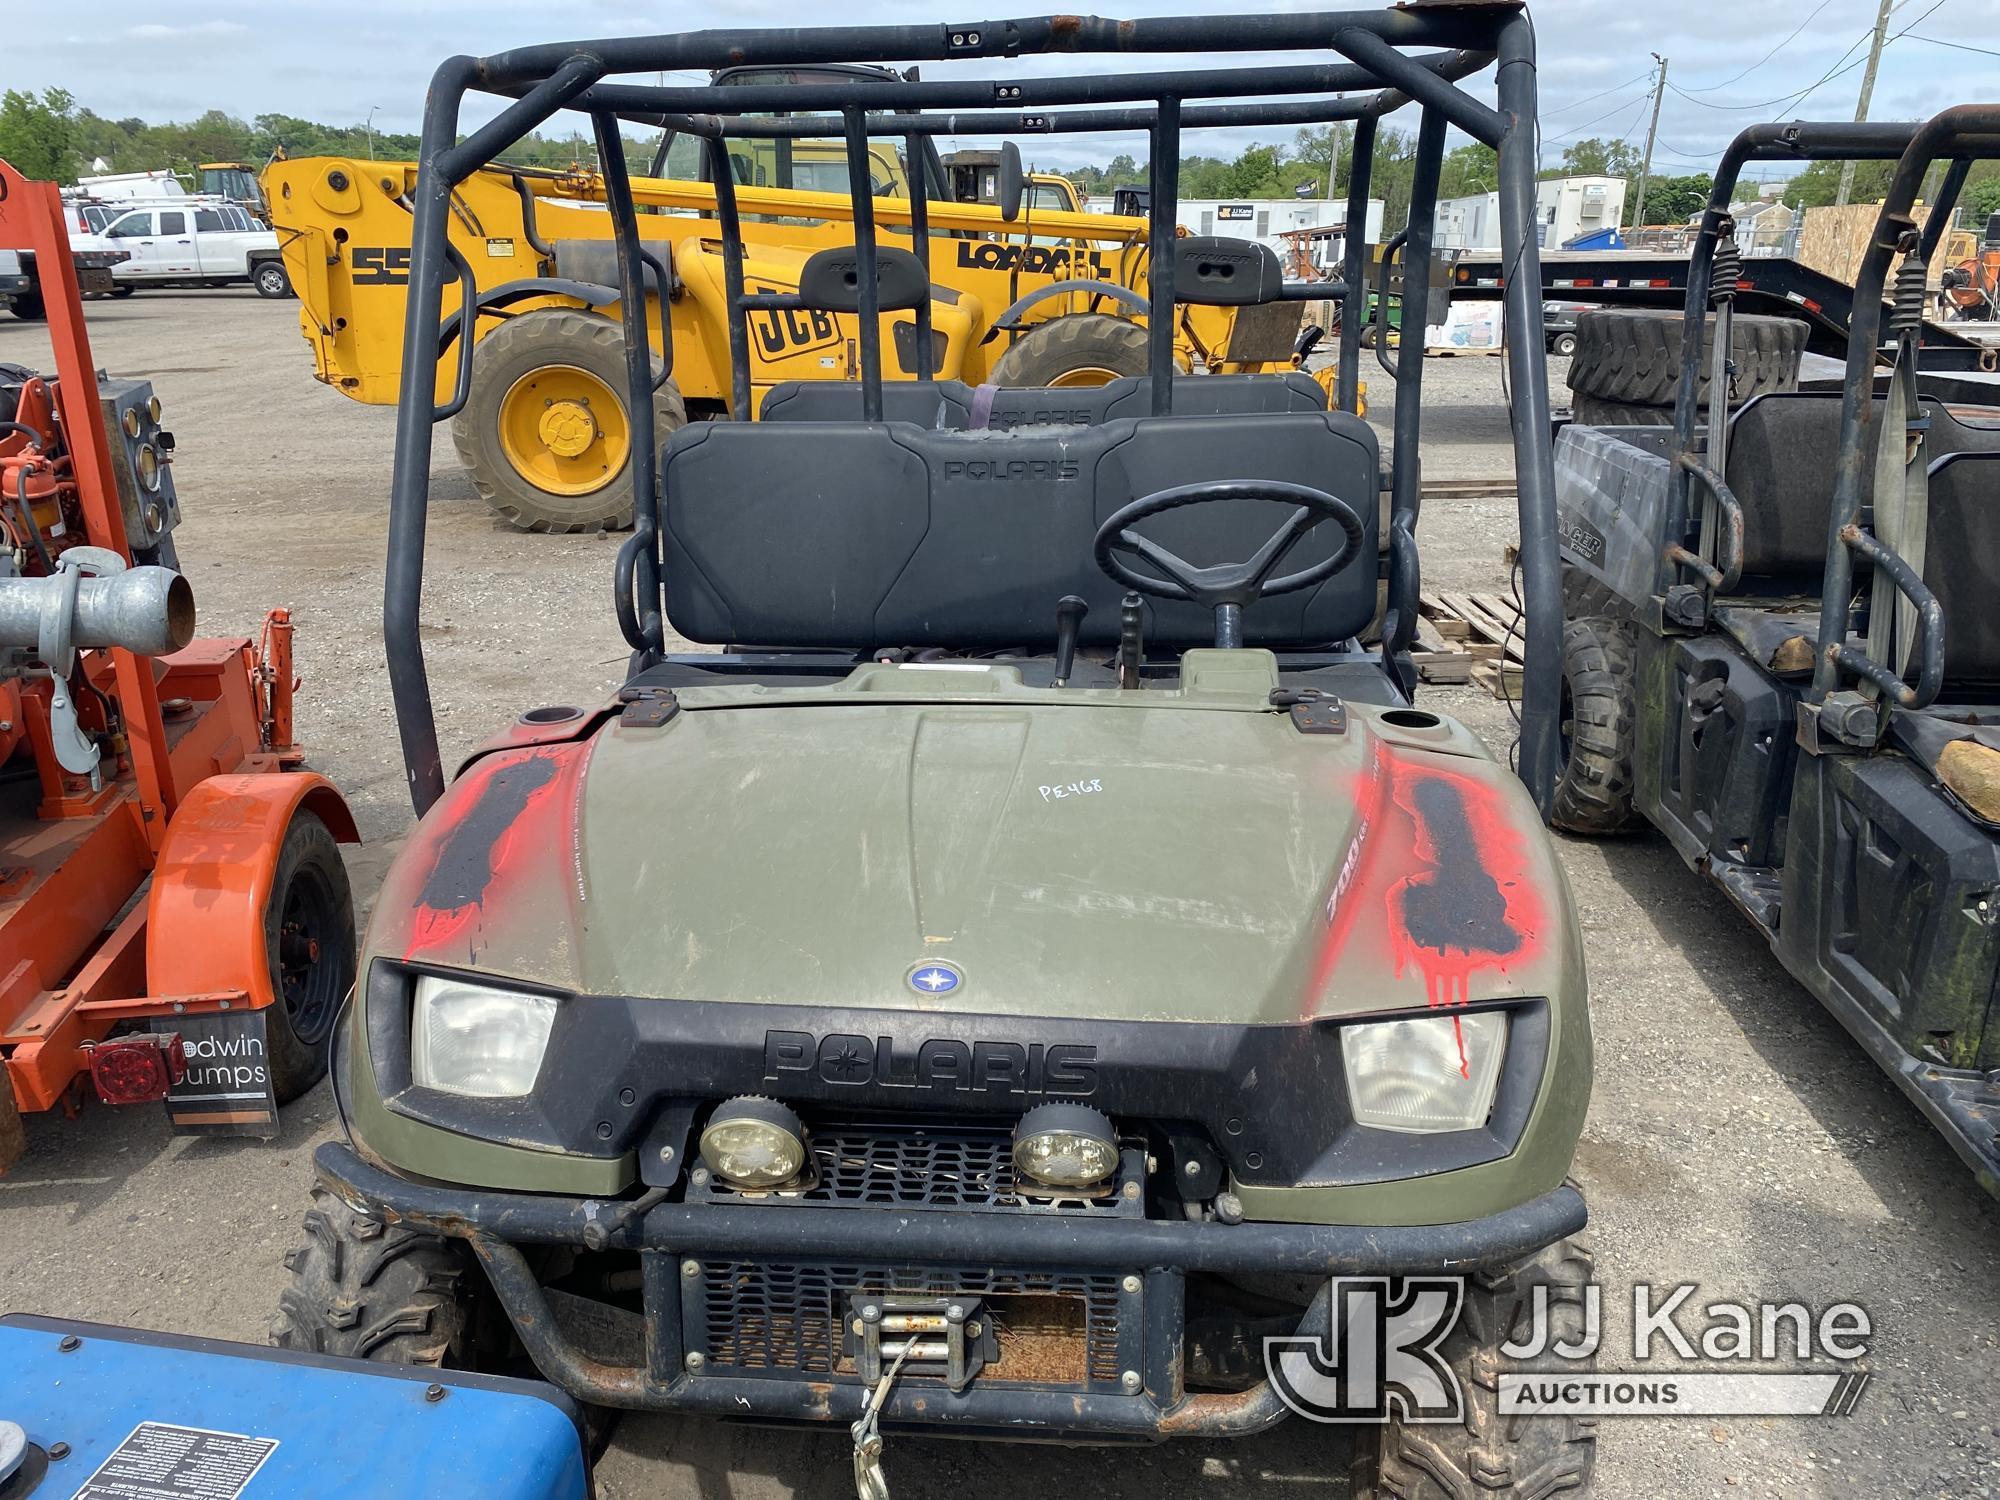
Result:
{"points": [[1473, 638]]}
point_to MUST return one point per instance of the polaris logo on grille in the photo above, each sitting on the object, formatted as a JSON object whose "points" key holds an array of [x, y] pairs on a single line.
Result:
{"points": [[848, 1060]]}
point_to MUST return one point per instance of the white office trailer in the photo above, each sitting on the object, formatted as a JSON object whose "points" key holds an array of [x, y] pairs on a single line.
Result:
{"points": [[1566, 208], [1266, 219]]}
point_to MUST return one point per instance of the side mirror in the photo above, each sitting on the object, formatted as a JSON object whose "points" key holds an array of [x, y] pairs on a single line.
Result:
{"points": [[1013, 182]]}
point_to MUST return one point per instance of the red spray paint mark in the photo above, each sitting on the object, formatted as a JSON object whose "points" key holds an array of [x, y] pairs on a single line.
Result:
{"points": [[505, 809], [1440, 861]]}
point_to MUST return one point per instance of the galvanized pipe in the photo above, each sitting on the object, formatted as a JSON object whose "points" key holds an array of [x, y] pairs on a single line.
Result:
{"points": [[148, 611]]}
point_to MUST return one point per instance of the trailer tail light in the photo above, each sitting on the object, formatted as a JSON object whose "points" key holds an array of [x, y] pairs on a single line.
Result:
{"points": [[137, 1069]]}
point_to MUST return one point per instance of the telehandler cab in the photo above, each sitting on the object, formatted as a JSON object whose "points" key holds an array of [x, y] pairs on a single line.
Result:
{"points": [[1783, 650], [994, 992]]}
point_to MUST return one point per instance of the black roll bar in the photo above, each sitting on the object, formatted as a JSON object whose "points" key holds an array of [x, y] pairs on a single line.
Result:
{"points": [[1378, 46]]}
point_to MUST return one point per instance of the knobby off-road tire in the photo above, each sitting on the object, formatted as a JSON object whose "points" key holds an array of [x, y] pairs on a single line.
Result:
{"points": [[369, 1290], [1493, 1456], [1634, 356], [517, 349], [1595, 411], [1600, 724], [1079, 349]]}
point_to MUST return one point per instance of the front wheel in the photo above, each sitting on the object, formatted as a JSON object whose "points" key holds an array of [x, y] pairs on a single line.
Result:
{"points": [[271, 279], [1600, 715], [1563, 344], [1495, 1456], [369, 1290]]}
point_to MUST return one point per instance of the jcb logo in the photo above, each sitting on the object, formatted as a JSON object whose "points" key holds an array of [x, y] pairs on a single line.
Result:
{"points": [[1037, 260], [793, 331], [376, 265]]}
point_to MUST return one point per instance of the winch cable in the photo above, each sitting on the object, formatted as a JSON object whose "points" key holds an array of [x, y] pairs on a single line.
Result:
{"points": [[869, 1481]]}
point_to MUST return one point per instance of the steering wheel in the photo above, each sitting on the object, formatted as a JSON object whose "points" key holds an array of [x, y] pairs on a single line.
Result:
{"points": [[1230, 587]]}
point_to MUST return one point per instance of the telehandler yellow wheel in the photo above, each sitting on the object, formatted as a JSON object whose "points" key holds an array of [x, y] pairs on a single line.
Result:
{"points": [[545, 433], [1074, 350]]}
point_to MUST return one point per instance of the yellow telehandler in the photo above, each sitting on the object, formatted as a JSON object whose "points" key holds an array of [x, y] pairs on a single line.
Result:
{"points": [[543, 432]]}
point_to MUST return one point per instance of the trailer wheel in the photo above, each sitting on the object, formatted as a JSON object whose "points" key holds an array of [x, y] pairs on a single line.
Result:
{"points": [[271, 279], [1599, 728], [27, 306], [309, 934], [1634, 356], [1079, 349], [545, 434], [1491, 1455], [369, 1290]]}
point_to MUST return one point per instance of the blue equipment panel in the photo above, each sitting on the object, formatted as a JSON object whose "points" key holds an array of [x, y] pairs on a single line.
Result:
{"points": [[116, 1414]]}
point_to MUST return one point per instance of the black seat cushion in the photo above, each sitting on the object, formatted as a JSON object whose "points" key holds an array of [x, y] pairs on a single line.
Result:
{"points": [[949, 403], [870, 535]]}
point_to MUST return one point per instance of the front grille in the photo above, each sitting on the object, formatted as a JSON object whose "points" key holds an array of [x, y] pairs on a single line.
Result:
{"points": [[904, 1163], [1053, 1328]]}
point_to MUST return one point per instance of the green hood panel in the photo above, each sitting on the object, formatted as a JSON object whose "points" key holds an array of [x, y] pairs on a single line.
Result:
{"points": [[1133, 856]]}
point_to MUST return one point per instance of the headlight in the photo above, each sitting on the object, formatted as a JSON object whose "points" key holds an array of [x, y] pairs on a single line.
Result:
{"points": [[1065, 1146], [472, 1039], [754, 1143], [1425, 1073]]}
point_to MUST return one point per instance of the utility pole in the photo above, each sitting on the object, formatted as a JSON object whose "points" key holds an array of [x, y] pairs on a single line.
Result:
{"points": [[1867, 92], [1652, 132]]}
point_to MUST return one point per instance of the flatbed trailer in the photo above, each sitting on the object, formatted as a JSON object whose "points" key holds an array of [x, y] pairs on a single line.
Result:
{"points": [[1768, 284], [21, 282]]}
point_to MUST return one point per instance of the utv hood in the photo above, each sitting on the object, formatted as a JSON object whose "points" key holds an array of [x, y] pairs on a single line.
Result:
{"points": [[1131, 856]]}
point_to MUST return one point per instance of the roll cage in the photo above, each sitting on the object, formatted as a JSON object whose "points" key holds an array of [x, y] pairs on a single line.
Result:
{"points": [[1955, 138], [1376, 74]]}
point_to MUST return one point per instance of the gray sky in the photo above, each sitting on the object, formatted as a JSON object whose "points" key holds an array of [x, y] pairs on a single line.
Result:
{"points": [[334, 64]]}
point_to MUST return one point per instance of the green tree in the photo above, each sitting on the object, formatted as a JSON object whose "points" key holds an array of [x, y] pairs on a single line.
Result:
{"points": [[1595, 157], [38, 136], [1675, 200], [1468, 170]]}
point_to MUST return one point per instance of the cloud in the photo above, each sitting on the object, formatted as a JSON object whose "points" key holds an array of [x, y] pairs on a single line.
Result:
{"points": [[154, 31]]}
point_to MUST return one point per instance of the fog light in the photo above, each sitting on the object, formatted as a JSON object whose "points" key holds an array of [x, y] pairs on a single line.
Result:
{"points": [[754, 1143], [1065, 1146], [1423, 1074]]}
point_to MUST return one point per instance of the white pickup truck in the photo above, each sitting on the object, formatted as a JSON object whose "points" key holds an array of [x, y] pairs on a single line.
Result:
{"points": [[191, 242]]}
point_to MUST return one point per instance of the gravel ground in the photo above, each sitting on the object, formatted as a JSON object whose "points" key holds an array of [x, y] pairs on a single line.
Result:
{"points": [[1737, 1138]]}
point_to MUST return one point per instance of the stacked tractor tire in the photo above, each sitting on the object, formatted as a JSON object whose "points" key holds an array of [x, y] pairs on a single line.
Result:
{"points": [[1627, 364]]}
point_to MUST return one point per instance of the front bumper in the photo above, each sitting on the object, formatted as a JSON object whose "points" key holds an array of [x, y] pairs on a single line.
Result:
{"points": [[1147, 1260]]}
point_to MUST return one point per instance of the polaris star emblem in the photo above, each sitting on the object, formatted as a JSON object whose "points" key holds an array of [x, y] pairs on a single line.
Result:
{"points": [[934, 979]]}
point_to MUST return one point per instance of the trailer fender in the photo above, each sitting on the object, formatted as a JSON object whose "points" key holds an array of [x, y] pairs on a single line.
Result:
{"points": [[205, 913]]}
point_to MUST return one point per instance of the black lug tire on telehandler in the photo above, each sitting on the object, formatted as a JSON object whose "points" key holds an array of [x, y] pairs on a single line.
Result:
{"points": [[1600, 725], [370, 1290], [555, 335], [1491, 1455], [1633, 356], [1079, 341], [1595, 411]]}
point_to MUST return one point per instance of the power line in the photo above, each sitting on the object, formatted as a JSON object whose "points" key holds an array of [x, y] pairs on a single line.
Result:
{"points": [[1711, 88], [1955, 46], [1579, 130], [1588, 98]]}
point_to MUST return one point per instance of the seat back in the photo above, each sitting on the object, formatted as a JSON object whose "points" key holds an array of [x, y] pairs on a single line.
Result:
{"points": [[951, 403], [1962, 562], [1782, 448], [875, 535]]}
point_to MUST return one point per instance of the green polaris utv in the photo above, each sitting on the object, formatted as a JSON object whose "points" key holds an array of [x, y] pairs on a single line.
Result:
{"points": [[1041, 969]]}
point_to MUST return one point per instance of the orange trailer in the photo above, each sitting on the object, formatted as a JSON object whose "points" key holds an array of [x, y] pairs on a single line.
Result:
{"points": [[175, 920]]}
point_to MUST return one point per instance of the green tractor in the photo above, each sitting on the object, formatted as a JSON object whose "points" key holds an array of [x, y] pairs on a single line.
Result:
{"points": [[1042, 976]]}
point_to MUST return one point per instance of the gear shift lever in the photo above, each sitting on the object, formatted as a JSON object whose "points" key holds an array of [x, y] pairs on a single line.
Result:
{"points": [[1070, 612]]}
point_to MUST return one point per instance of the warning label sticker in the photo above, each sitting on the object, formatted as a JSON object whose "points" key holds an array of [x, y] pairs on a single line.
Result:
{"points": [[160, 1461]]}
